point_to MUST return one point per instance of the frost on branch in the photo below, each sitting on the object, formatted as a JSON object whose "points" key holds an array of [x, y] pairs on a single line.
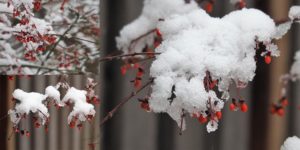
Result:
{"points": [[291, 143]]}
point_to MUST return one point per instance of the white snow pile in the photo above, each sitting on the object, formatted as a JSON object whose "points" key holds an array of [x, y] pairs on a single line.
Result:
{"points": [[294, 16], [81, 110], [28, 102], [291, 143], [295, 70], [193, 44], [153, 11], [33, 103]]}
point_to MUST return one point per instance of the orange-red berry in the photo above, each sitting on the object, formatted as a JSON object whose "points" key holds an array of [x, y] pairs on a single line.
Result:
{"points": [[219, 115], [232, 107], [202, 119], [244, 107], [268, 59]]}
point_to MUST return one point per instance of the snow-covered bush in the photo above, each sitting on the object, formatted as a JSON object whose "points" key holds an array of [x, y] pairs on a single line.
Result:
{"points": [[200, 55], [48, 37], [37, 103]]}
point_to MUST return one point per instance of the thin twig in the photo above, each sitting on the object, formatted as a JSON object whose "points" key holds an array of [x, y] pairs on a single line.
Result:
{"points": [[124, 101], [109, 58]]}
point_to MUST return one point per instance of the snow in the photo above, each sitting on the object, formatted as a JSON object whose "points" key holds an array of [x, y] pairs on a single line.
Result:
{"points": [[52, 92], [34, 102], [291, 143], [81, 108], [29, 102], [294, 12], [295, 69], [153, 10], [195, 43]]}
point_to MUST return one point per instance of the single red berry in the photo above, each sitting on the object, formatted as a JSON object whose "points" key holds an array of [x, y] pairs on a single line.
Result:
{"points": [[158, 33], [202, 119], [27, 133], [37, 124], [145, 106], [244, 107], [79, 126], [284, 102], [232, 107], [273, 110], [156, 44], [72, 124], [280, 112], [137, 83], [268, 59], [123, 70], [219, 115], [209, 7]]}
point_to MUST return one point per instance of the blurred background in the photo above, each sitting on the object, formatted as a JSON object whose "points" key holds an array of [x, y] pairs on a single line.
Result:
{"points": [[133, 128]]}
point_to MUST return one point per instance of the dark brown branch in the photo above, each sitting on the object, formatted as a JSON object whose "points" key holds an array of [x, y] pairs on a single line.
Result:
{"points": [[124, 101], [109, 58]]}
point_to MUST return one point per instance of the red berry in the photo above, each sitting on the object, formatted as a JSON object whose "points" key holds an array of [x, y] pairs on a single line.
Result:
{"points": [[27, 133], [137, 83], [37, 124], [232, 107], [158, 33], [280, 112], [284, 102], [202, 119], [219, 115], [123, 70], [209, 7], [72, 124], [273, 110], [268, 59], [145, 106], [244, 107]]}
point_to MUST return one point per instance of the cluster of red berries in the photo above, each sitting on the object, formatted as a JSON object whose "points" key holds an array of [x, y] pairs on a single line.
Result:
{"points": [[209, 6], [139, 74], [67, 61], [278, 108], [93, 100], [74, 120], [22, 132], [240, 104], [208, 115]]}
